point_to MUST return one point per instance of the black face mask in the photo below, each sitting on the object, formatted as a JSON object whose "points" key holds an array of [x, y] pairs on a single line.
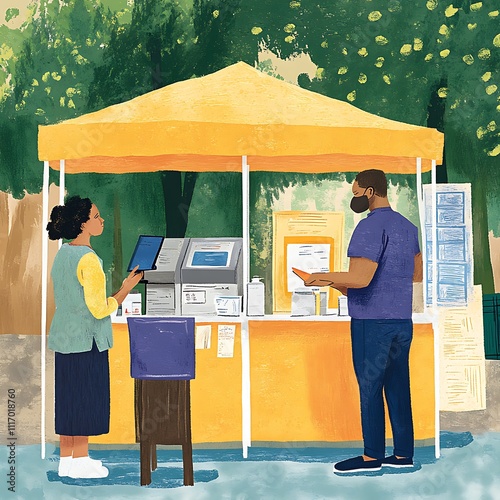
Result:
{"points": [[360, 204]]}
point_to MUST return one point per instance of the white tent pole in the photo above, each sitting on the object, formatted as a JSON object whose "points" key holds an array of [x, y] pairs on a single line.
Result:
{"points": [[43, 326], [421, 214], [245, 183], [62, 186], [62, 181], [435, 317], [245, 338], [245, 388]]}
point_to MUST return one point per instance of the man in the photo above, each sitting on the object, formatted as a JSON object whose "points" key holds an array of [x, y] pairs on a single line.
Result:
{"points": [[385, 259]]}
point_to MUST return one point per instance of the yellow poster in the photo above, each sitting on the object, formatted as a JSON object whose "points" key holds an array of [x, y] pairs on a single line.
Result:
{"points": [[310, 241]]}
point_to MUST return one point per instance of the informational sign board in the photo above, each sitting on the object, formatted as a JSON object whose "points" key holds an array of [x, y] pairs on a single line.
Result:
{"points": [[309, 241]]}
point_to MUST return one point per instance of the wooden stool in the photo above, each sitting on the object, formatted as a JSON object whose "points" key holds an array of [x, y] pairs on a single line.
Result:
{"points": [[163, 416]]}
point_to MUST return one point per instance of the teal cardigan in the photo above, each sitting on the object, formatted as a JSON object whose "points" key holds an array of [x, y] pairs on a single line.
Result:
{"points": [[73, 327]]}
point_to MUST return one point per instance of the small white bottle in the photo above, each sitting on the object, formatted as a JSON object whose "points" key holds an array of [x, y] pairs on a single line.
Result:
{"points": [[255, 297], [323, 303], [132, 304], [343, 307]]}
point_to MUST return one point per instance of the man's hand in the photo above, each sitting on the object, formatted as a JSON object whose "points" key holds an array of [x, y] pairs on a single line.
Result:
{"points": [[360, 274], [318, 279]]}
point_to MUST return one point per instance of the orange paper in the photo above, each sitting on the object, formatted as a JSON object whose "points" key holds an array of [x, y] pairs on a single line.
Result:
{"points": [[301, 274]]}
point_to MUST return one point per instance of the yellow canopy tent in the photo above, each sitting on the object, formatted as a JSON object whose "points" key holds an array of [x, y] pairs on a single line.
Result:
{"points": [[208, 123], [236, 119]]}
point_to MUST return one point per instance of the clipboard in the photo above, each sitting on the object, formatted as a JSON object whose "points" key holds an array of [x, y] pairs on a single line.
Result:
{"points": [[146, 253]]}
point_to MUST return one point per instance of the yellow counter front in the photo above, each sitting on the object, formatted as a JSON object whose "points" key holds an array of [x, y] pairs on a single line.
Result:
{"points": [[302, 385]]}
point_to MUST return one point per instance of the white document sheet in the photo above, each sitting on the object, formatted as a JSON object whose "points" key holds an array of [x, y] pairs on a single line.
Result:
{"points": [[203, 334], [225, 342], [169, 254], [313, 258], [160, 300], [463, 367]]}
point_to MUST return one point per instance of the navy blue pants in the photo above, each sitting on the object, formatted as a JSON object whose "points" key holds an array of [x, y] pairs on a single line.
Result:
{"points": [[380, 352], [82, 393]]}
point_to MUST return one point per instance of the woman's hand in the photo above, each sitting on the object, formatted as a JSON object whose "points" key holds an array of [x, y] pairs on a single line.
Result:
{"points": [[128, 283], [132, 279]]}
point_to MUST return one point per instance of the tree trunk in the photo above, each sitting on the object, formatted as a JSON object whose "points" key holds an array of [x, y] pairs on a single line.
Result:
{"points": [[177, 201], [117, 275], [188, 190], [177, 196], [435, 119], [463, 155], [483, 271], [154, 47]]}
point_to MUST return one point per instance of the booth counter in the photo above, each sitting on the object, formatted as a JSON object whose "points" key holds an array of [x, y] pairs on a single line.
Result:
{"points": [[302, 384]]}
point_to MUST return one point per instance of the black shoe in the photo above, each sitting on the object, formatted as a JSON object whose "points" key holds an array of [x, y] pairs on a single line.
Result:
{"points": [[357, 464], [394, 461]]}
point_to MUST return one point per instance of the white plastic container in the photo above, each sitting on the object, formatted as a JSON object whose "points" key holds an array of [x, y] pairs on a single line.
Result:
{"points": [[323, 303], [256, 297], [304, 301], [132, 304], [343, 309], [228, 305]]}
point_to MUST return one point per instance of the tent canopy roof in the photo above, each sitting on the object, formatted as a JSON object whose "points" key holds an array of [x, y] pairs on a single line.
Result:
{"points": [[208, 123]]}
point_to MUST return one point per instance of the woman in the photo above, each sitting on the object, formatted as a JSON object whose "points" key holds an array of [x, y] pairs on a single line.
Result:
{"points": [[80, 335]]}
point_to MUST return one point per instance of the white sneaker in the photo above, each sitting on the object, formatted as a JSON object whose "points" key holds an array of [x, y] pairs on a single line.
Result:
{"points": [[98, 462], [85, 467], [64, 466]]}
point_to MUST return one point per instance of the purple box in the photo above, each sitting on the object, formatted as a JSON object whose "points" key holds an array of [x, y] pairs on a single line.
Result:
{"points": [[161, 348]]}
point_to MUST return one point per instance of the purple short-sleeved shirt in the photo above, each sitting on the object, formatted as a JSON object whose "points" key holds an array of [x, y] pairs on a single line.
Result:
{"points": [[391, 240]]}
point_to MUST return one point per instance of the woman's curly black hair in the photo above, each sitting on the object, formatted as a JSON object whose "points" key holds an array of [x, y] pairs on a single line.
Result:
{"points": [[66, 220]]}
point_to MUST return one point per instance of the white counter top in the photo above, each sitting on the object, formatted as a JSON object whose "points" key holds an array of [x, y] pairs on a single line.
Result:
{"points": [[418, 318]]}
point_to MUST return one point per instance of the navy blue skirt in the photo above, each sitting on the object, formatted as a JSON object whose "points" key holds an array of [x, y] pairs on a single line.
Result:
{"points": [[82, 393]]}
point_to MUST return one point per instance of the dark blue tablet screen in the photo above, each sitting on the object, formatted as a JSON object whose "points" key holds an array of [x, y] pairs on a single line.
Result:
{"points": [[145, 253]]}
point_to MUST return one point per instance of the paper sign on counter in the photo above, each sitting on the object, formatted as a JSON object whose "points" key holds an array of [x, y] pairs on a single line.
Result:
{"points": [[314, 258], [202, 337], [160, 300], [225, 345]]}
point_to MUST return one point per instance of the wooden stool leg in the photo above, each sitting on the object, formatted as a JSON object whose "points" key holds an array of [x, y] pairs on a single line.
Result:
{"points": [[154, 461], [187, 463], [138, 385], [187, 445], [145, 463]]}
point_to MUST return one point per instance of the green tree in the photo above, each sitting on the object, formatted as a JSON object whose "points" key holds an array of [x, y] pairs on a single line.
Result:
{"points": [[216, 40], [11, 41], [50, 81]]}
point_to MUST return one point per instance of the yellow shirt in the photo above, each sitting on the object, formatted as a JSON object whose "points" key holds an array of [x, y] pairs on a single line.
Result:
{"points": [[92, 278]]}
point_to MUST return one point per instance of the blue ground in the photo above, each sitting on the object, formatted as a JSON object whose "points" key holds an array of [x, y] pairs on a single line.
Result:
{"points": [[468, 468]]}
